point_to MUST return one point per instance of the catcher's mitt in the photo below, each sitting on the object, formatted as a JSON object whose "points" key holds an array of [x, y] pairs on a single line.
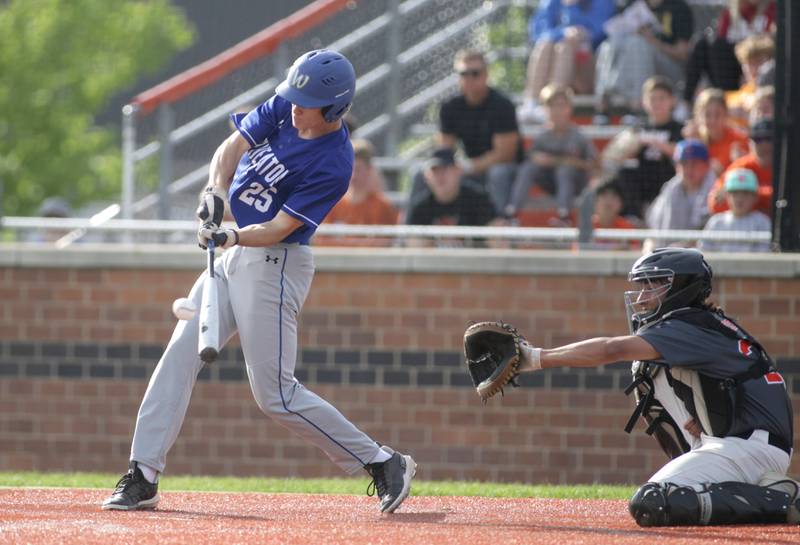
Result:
{"points": [[492, 350]]}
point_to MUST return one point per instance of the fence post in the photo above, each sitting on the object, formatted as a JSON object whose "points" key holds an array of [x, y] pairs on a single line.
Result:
{"points": [[393, 94], [281, 61], [166, 122], [128, 161]]}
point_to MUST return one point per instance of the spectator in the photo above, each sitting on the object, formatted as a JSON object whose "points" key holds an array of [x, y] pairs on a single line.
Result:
{"points": [[607, 207], [561, 159], [608, 204], [763, 104], [681, 204], [364, 203], [759, 161], [449, 199], [650, 162], [710, 125], [564, 35], [741, 192], [484, 122], [713, 54], [51, 207], [627, 59], [753, 53]]}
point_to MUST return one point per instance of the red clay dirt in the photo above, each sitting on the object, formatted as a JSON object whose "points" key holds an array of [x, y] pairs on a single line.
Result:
{"points": [[60, 515]]}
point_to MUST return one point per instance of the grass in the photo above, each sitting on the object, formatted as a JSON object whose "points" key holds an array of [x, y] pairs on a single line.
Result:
{"points": [[321, 486]]}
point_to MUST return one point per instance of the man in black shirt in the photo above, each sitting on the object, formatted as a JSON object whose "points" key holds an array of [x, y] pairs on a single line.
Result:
{"points": [[708, 390], [484, 122], [449, 199]]}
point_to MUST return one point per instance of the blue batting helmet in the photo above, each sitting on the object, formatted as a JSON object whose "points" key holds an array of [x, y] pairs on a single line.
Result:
{"points": [[321, 79]]}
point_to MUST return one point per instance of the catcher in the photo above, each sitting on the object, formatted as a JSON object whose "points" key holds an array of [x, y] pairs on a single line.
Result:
{"points": [[707, 389]]}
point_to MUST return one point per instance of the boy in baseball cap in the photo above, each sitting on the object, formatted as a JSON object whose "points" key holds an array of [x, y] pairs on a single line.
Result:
{"points": [[741, 192]]}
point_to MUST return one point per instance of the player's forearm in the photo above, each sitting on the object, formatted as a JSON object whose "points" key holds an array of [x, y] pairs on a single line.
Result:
{"points": [[270, 232], [262, 235], [588, 353], [599, 351]]}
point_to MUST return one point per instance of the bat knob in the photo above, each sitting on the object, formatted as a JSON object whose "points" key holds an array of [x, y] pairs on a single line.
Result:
{"points": [[208, 354]]}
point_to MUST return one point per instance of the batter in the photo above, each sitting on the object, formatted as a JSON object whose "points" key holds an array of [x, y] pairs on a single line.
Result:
{"points": [[282, 171]]}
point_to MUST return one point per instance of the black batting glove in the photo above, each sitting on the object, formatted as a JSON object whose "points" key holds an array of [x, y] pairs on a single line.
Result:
{"points": [[223, 238], [212, 206]]}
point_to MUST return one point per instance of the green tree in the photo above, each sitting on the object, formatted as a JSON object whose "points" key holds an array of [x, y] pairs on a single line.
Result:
{"points": [[61, 60], [512, 32]]}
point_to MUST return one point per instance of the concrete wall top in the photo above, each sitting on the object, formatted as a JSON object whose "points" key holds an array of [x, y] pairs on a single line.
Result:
{"points": [[399, 260]]}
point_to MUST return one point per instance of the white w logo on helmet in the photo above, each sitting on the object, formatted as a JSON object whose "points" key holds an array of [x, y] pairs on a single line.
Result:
{"points": [[299, 80]]}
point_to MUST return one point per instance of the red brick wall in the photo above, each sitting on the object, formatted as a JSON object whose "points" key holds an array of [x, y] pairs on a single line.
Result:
{"points": [[530, 436], [554, 431], [372, 310]]}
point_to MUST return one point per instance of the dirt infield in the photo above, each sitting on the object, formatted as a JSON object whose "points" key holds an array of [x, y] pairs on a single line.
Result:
{"points": [[57, 515]]}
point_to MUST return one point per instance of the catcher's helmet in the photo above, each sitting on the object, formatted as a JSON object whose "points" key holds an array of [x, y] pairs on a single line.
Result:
{"points": [[321, 79], [669, 278]]}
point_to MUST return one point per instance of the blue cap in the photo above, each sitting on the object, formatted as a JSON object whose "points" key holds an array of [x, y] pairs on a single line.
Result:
{"points": [[689, 149], [741, 179]]}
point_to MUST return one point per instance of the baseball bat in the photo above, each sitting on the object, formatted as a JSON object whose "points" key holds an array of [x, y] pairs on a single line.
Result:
{"points": [[208, 341]]}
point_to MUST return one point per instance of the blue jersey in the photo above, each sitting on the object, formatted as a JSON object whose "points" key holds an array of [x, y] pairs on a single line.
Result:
{"points": [[281, 171]]}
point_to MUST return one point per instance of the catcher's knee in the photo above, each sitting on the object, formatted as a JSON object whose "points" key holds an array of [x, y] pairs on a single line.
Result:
{"points": [[664, 504]]}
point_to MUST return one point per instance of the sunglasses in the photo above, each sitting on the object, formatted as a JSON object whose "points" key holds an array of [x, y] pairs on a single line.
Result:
{"points": [[471, 73]]}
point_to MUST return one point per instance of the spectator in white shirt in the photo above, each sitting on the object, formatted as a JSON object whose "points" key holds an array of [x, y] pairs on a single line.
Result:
{"points": [[741, 186]]}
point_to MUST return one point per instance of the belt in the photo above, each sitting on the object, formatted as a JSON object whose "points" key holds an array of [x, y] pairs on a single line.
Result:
{"points": [[772, 439]]}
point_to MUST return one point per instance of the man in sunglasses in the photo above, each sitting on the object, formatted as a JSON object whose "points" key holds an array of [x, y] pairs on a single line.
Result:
{"points": [[483, 121], [759, 160]]}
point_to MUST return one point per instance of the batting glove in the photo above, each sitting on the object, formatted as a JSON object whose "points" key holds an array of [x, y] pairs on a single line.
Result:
{"points": [[212, 206], [223, 238]]}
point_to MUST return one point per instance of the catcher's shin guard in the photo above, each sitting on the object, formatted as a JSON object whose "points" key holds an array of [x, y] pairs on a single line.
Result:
{"points": [[666, 504]]}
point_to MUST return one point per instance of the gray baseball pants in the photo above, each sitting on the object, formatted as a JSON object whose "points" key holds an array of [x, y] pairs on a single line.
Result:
{"points": [[261, 292]]}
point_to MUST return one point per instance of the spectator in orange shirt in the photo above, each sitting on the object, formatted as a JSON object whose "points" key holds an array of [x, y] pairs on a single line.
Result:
{"points": [[364, 203], [710, 125], [608, 203], [759, 160], [752, 53]]}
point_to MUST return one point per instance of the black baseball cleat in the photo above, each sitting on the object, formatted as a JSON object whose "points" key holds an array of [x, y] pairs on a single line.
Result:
{"points": [[133, 492], [391, 479]]}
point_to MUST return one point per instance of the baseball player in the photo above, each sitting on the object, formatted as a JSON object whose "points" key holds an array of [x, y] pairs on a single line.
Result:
{"points": [[710, 394], [283, 169]]}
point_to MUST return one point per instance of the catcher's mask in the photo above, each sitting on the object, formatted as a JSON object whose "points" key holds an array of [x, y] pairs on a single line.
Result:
{"points": [[666, 280]]}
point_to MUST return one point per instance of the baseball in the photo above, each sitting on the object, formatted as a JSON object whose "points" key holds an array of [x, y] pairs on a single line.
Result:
{"points": [[184, 309]]}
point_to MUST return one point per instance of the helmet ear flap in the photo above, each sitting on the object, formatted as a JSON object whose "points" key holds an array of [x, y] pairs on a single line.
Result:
{"points": [[330, 115]]}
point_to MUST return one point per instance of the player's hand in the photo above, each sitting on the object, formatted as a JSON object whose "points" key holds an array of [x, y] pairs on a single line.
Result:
{"points": [[530, 358], [223, 238], [693, 428], [212, 206]]}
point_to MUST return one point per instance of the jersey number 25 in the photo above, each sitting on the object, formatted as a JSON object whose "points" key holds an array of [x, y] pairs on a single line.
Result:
{"points": [[257, 195]]}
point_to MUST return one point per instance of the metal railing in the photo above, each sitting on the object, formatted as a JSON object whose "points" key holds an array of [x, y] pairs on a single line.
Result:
{"points": [[130, 228]]}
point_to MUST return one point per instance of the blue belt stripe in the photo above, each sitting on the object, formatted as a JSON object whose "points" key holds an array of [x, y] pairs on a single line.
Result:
{"points": [[280, 369]]}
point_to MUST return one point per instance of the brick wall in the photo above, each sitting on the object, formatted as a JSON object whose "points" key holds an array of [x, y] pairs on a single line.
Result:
{"points": [[77, 344]]}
